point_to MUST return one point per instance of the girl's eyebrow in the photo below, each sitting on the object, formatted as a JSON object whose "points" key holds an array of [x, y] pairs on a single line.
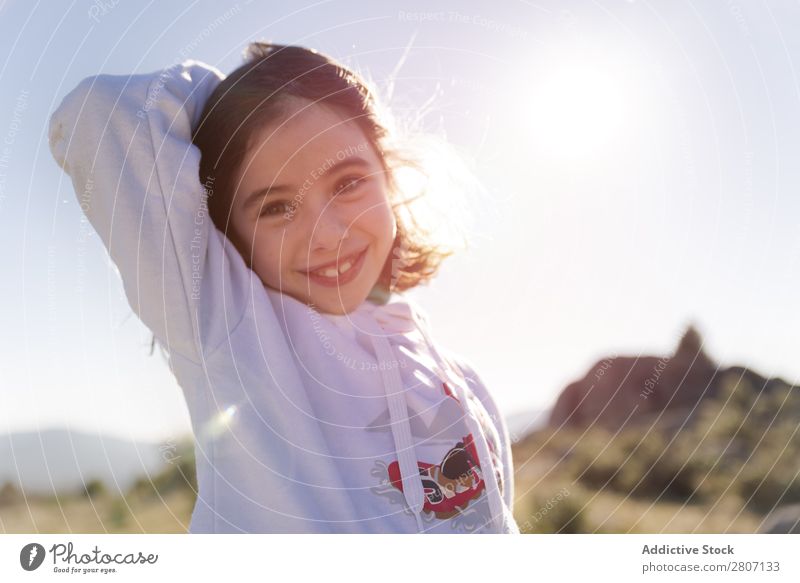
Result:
{"points": [[266, 191], [261, 192]]}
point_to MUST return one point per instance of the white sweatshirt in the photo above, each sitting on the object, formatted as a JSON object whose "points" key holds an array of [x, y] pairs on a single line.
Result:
{"points": [[303, 422]]}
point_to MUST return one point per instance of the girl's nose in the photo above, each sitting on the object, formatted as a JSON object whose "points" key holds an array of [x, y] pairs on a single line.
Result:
{"points": [[329, 231]]}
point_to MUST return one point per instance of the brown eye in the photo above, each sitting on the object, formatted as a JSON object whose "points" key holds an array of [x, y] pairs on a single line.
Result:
{"points": [[274, 209], [349, 184]]}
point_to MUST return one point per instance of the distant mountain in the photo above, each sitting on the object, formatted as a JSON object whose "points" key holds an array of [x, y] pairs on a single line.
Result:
{"points": [[521, 423], [63, 461], [626, 390]]}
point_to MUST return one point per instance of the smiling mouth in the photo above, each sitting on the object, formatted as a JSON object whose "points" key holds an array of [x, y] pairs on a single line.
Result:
{"points": [[340, 272]]}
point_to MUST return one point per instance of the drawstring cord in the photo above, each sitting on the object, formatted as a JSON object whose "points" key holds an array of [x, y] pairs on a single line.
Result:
{"points": [[401, 428], [398, 413], [496, 509]]}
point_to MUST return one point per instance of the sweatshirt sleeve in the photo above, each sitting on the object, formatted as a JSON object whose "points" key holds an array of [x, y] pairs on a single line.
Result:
{"points": [[480, 391], [125, 141]]}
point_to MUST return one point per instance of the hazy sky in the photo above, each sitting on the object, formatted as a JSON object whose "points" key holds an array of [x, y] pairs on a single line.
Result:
{"points": [[639, 159]]}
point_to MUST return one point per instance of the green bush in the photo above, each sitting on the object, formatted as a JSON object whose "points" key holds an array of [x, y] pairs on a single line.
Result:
{"points": [[118, 513], [744, 442], [180, 474], [94, 489], [561, 512]]}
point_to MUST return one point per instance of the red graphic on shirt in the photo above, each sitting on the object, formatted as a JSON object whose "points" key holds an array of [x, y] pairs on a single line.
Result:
{"points": [[449, 392], [450, 485]]}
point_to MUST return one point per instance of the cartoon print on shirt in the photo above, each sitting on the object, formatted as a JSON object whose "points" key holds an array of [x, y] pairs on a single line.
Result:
{"points": [[452, 483], [488, 430]]}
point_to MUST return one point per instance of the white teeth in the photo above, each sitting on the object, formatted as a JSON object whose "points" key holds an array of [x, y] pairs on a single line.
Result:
{"points": [[332, 271]]}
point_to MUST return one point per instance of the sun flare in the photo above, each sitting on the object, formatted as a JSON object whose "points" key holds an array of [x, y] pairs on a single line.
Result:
{"points": [[578, 109]]}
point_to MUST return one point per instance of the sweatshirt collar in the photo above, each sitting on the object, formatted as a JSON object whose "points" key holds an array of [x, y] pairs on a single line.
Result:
{"points": [[395, 317]]}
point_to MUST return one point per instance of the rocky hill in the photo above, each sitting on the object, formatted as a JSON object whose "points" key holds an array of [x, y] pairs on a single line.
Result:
{"points": [[628, 390]]}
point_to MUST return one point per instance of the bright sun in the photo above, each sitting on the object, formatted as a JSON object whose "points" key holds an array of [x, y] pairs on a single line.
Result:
{"points": [[578, 109]]}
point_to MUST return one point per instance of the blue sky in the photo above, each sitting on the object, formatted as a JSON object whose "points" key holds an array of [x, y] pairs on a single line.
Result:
{"points": [[639, 161]]}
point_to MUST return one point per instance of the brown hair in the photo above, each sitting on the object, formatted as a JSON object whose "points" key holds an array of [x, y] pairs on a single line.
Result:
{"points": [[256, 93]]}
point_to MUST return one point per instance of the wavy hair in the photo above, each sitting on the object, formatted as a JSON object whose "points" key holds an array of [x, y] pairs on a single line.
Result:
{"points": [[255, 94]]}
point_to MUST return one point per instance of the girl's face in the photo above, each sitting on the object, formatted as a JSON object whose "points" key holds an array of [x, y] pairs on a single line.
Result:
{"points": [[324, 230]]}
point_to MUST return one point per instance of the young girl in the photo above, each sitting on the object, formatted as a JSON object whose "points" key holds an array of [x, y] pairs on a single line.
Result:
{"points": [[256, 221]]}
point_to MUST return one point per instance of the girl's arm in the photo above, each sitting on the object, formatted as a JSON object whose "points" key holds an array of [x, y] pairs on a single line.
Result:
{"points": [[125, 140]]}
